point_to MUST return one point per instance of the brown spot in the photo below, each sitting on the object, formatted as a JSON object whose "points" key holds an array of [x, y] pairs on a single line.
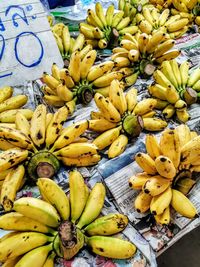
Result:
{"points": [[77, 126], [146, 191], [66, 137], [39, 135], [163, 159], [130, 184]]}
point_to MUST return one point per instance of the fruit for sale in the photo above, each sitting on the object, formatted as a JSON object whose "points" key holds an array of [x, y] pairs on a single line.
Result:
{"points": [[121, 118], [168, 169], [44, 228], [67, 44], [40, 148], [174, 84], [105, 29], [143, 53], [79, 81]]}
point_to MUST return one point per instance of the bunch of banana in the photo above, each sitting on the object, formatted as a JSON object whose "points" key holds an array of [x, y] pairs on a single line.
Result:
{"points": [[131, 7], [67, 44], [175, 88], [58, 226], [161, 4], [103, 30], [141, 54], [41, 145], [10, 105], [78, 82], [121, 117], [165, 180], [151, 19]]}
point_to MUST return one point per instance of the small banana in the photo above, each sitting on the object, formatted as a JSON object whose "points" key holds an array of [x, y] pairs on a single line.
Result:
{"points": [[99, 70], [5, 93], [118, 146], [22, 124], [142, 202], [165, 167], [50, 81], [63, 92], [154, 124], [93, 206], [156, 185], [55, 71], [107, 78], [101, 125], [161, 202], [131, 99], [12, 157], [14, 102], [144, 106], [163, 218], [137, 181], [87, 63], [146, 163], [117, 97], [74, 66], [107, 225], [152, 146], [81, 161], [106, 138], [50, 260], [55, 196]]}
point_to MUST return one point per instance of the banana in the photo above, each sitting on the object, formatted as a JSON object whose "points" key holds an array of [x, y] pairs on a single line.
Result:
{"points": [[169, 111], [99, 70], [63, 92], [81, 161], [50, 81], [85, 50], [11, 262], [66, 39], [87, 30], [118, 146], [144, 106], [59, 43], [170, 146], [167, 70], [55, 196], [12, 157], [156, 185], [70, 134], [106, 138], [129, 45], [137, 181], [159, 91], [38, 254], [54, 100], [103, 43], [168, 56], [130, 29], [154, 41], [131, 99], [37, 209], [130, 80], [64, 75], [79, 42], [93, 206], [18, 222], [22, 124], [117, 18], [123, 23], [152, 146], [109, 14], [145, 26], [74, 66], [190, 151], [10, 186], [5, 93], [177, 25], [38, 122], [146, 163], [193, 134], [163, 17], [55, 126], [100, 13], [101, 125], [84, 149], [50, 260], [191, 4], [154, 124], [107, 225], [87, 63], [184, 69], [117, 97], [107, 78], [5, 145], [121, 62], [134, 55], [182, 204], [165, 167], [71, 105], [164, 218], [161, 202], [21, 243], [55, 71], [14, 102], [164, 47], [3, 174], [161, 104], [176, 71], [107, 108], [194, 77], [93, 16], [142, 202], [111, 247]]}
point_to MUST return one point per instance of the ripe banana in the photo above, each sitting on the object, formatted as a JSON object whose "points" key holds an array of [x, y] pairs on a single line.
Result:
{"points": [[152, 146], [142, 202], [101, 125], [106, 138], [137, 181], [12, 157], [118, 146], [145, 162], [156, 185], [81, 161], [163, 218], [165, 167], [161, 202]]}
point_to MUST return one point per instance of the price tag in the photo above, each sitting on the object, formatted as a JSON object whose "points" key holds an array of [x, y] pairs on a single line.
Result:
{"points": [[27, 46]]}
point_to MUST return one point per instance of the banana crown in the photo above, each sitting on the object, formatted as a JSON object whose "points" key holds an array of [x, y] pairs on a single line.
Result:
{"points": [[168, 166], [44, 227]]}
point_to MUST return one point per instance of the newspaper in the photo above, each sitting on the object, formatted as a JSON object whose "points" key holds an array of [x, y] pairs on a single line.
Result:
{"points": [[150, 238]]}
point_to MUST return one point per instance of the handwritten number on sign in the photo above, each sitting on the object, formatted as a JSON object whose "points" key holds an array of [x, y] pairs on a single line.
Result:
{"points": [[3, 46], [37, 62], [16, 15]]}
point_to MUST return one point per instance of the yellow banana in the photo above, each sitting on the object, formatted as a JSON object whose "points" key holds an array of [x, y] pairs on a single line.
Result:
{"points": [[81, 161], [163, 17], [66, 39], [131, 99], [121, 62], [37, 209], [117, 97], [117, 18], [177, 25], [194, 77], [142, 202], [99, 70], [161, 202], [159, 91], [38, 122], [63, 92], [55, 71], [70, 134], [50, 260], [87, 30], [101, 125], [93, 205], [156, 185], [118, 146], [183, 133], [154, 41], [54, 100], [107, 78], [93, 16], [182, 204], [163, 218], [50, 81], [165, 167], [87, 63], [167, 70], [14, 102], [168, 56], [164, 47], [154, 124], [146, 163], [85, 50], [79, 42], [169, 111], [22, 124], [107, 108], [144, 106], [183, 115], [11, 185], [77, 150], [59, 43], [152, 146], [137, 181], [106, 138], [190, 150], [109, 14], [5, 93], [74, 66], [184, 68], [145, 26], [12, 157], [100, 13]]}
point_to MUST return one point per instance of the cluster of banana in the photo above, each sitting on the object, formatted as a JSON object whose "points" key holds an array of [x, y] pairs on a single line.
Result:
{"points": [[143, 52], [67, 44], [160, 4], [121, 117], [41, 144], [58, 226], [151, 19], [10, 105], [79, 81], [175, 88], [103, 30], [162, 182]]}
